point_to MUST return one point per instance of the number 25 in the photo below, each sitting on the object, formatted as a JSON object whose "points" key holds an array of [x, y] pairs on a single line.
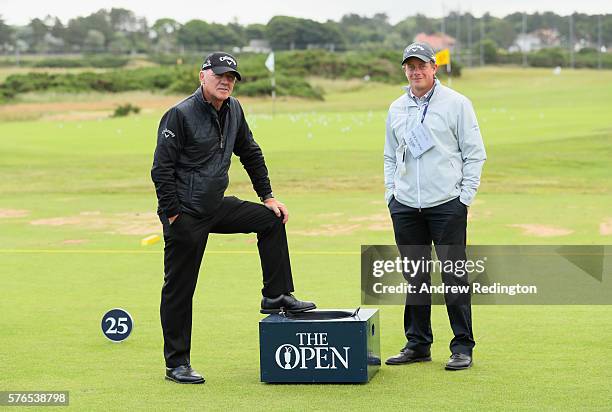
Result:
{"points": [[120, 323]]}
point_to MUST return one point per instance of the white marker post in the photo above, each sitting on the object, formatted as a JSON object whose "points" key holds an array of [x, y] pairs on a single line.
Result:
{"points": [[270, 65]]}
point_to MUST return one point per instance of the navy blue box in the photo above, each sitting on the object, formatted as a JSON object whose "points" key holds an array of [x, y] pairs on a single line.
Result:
{"points": [[312, 348]]}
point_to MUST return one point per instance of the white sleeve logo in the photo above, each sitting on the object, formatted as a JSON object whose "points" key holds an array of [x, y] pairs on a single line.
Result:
{"points": [[168, 133]]}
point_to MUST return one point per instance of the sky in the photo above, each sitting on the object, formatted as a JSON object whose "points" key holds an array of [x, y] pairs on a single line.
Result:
{"points": [[20, 12]]}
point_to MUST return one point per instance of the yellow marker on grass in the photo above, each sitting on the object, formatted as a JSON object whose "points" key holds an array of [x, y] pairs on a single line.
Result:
{"points": [[150, 240]]}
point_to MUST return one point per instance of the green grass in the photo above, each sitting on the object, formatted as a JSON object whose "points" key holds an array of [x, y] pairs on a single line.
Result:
{"points": [[548, 139]]}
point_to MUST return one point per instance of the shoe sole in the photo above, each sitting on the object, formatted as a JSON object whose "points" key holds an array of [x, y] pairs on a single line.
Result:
{"points": [[184, 383], [280, 310], [453, 368], [415, 360]]}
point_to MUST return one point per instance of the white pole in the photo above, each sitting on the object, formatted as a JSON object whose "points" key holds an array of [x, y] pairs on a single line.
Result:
{"points": [[273, 95], [482, 62], [271, 67], [571, 41], [599, 43], [524, 47]]}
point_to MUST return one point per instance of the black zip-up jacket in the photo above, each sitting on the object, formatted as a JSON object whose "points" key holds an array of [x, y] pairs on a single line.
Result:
{"points": [[193, 156]]}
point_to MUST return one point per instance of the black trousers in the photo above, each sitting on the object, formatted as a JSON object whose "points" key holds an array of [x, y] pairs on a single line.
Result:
{"points": [[185, 241], [415, 230]]}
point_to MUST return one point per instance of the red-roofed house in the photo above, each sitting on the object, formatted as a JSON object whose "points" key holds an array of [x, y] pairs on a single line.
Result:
{"points": [[438, 41]]}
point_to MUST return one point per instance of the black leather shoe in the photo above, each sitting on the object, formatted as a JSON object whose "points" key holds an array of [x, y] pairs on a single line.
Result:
{"points": [[286, 302], [459, 361], [409, 356], [183, 374]]}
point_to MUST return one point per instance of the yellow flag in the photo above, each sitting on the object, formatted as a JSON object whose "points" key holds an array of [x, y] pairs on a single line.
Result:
{"points": [[443, 57]]}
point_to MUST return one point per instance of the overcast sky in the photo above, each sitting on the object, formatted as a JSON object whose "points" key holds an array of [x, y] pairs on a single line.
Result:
{"points": [[19, 12]]}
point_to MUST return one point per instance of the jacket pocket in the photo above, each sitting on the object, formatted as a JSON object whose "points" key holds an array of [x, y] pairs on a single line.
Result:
{"points": [[457, 172], [207, 192], [400, 159]]}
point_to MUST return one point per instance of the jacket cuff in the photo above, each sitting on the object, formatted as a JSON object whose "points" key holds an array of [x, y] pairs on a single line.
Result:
{"points": [[388, 195], [266, 197], [171, 212], [466, 198], [263, 189]]}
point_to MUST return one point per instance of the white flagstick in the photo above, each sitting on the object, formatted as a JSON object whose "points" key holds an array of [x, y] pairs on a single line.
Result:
{"points": [[270, 65]]}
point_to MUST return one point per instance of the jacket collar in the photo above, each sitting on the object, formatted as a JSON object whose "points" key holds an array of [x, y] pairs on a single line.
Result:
{"points": [[199, 96], [411, 97]]}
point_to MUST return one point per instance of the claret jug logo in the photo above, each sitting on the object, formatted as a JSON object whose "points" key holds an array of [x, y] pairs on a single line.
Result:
{"points": [[312, 351]]}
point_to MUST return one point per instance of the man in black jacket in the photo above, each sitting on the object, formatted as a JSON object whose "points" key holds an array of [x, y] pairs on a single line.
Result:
{"points": [[195, 142]]}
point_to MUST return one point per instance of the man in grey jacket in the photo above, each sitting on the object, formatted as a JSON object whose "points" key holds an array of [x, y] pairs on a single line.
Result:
{"points": [[434, 156]]}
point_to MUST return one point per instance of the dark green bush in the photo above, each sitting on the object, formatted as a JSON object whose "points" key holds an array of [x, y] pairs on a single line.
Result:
{"points": [[125, 109], [547, 58], [58, 62], [285, 86], [185, 80], [113, 81]]}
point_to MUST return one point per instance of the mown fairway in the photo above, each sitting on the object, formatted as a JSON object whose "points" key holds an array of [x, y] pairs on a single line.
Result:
{"points": [[76, 198]]}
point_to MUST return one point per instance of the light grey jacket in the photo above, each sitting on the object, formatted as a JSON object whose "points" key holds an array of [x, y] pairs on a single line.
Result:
{"points": [[451, 168]]}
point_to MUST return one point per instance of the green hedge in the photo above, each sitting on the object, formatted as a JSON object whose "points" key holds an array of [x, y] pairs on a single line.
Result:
{"points": [[293, 67], [102, 61], [112, 81], [285, 86], [178, 79], [556, 56]]}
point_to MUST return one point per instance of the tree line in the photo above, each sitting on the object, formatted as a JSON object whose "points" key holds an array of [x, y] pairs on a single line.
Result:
{"points": [[120, 30]]}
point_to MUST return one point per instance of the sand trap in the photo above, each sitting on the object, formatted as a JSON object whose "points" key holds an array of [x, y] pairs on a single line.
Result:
{"points": [[378, 218], [117, 223], [58, 221], [605, 227], [478, 213], [75, 241], [13, 213], [329, 230], [542, 230], [380, 227], [376, 222], [330, 215]]}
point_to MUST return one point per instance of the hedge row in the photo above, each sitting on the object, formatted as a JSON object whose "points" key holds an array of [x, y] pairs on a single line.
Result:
{"points": [[293, 68], [174, 79], [94, 61], [553, 57], [112, 81]]}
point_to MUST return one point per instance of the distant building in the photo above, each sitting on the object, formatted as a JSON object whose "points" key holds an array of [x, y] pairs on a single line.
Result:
{"points": [[534, 41], [438, 41], [257, 46], [527, 42], [549, 37]]}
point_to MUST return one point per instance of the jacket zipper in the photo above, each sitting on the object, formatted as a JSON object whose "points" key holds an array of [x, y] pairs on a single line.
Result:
{"points": [[418, 171], [190, 193], [220, 134], [418, 179]]}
